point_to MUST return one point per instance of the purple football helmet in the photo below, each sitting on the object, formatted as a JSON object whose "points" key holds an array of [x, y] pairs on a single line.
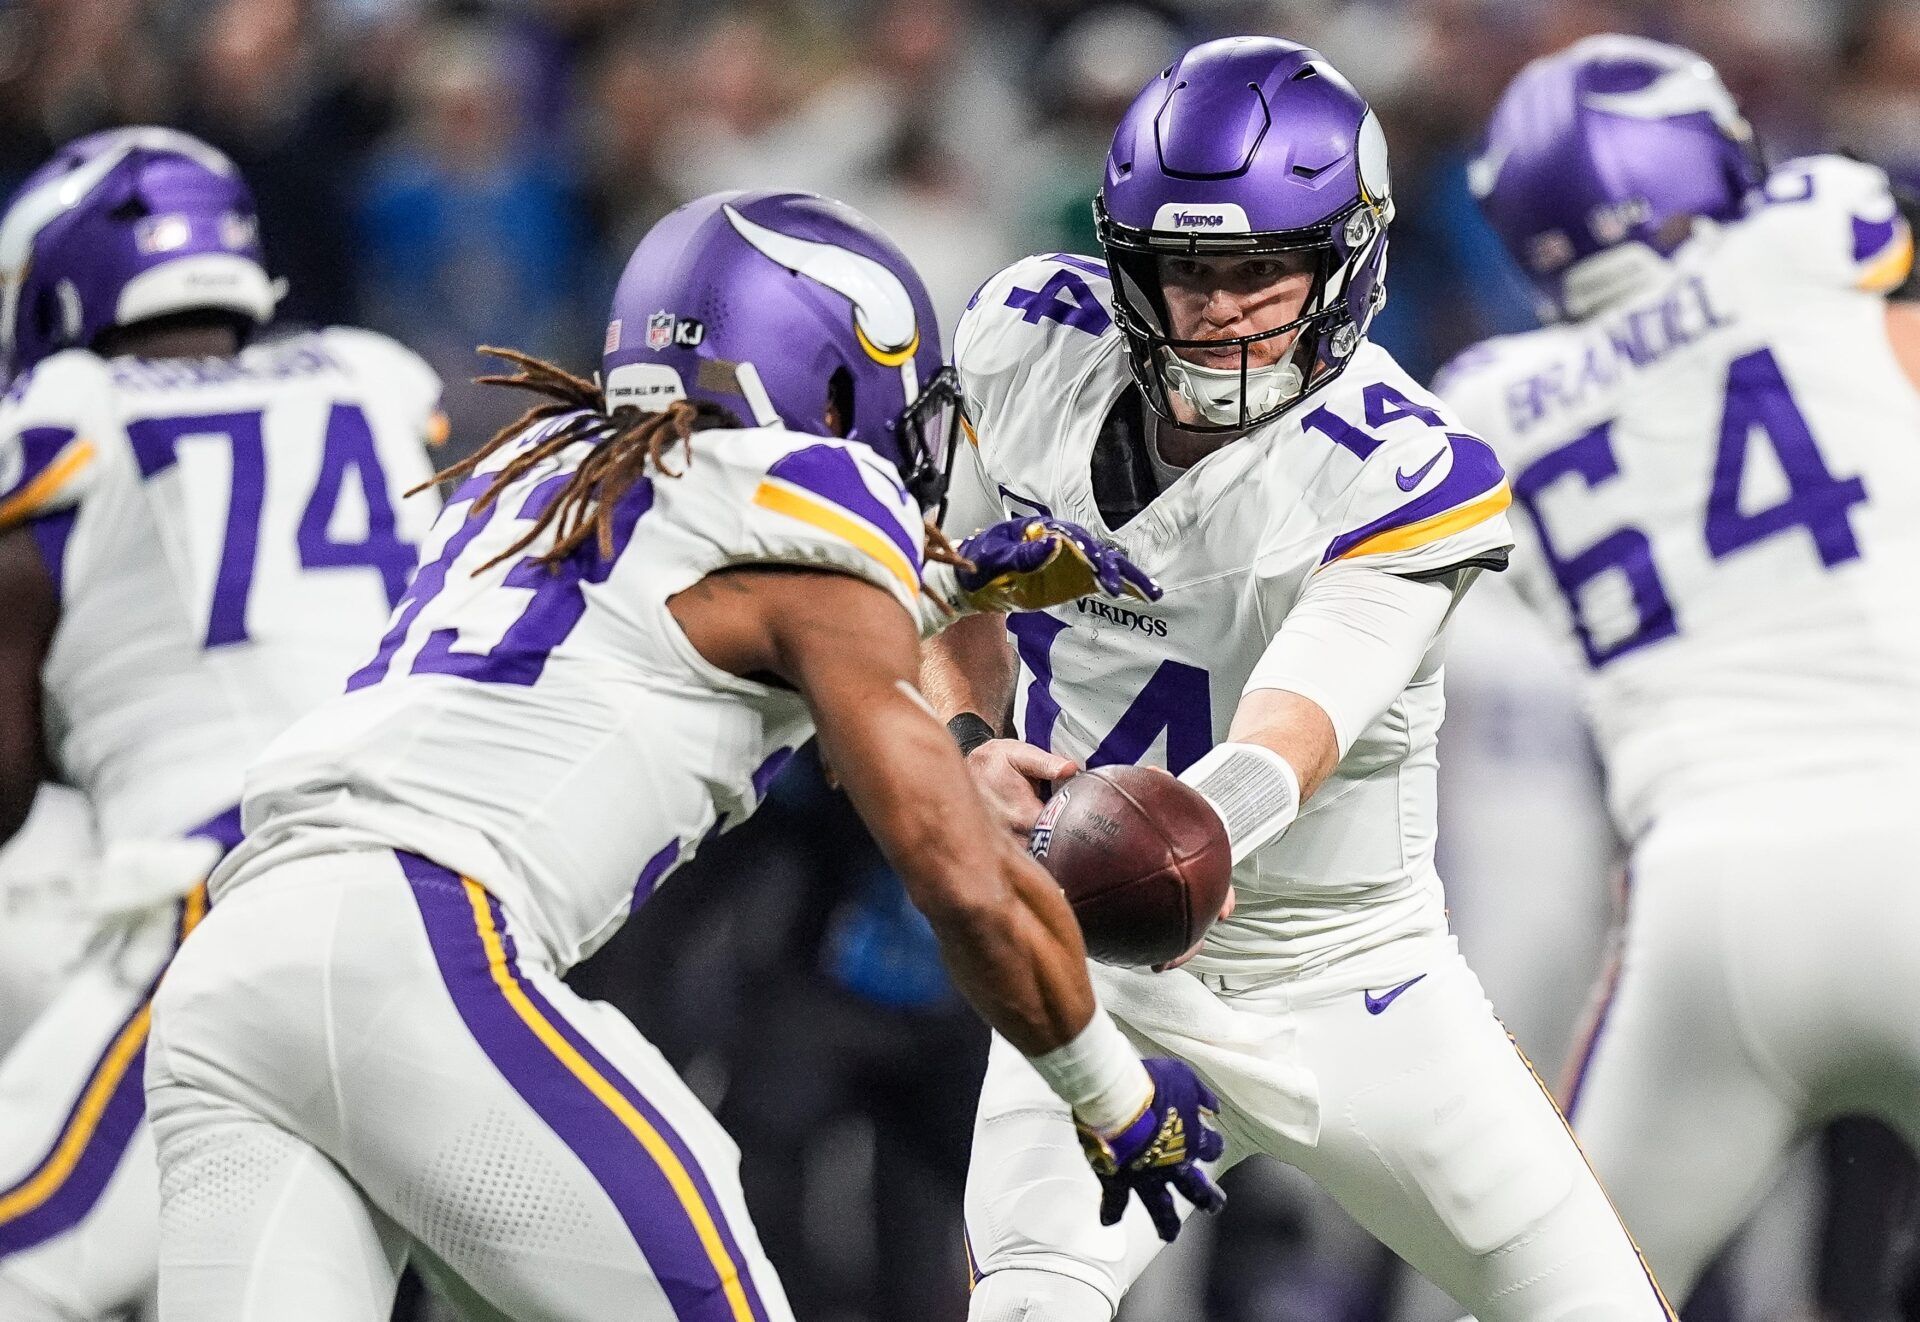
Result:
{"points": [[1599, 156], [782, 306], [122, 226], [1246, 146]]}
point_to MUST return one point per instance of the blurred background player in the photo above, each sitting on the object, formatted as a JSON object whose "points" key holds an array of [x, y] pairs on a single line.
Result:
{"points": [[1207, 397], [44, 870], [198, 537], [1713, 447], [634, 610]]}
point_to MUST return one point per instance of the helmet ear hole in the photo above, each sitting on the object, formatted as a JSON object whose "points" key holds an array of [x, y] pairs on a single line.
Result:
{"points": [[839, 415], [46, 314]]}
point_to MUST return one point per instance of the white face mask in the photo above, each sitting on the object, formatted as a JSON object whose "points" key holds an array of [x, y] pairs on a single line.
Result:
{"points": [[1214, 392]]}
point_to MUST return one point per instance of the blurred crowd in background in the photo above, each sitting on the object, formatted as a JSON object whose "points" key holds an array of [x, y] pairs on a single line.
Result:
{"points": [[458, 172]]}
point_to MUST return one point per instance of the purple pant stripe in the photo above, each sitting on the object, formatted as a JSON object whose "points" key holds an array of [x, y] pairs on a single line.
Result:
{"points": [[113, 1132], [80, 1191], [637, 1186], [664, 1128], [1592, 1045]]}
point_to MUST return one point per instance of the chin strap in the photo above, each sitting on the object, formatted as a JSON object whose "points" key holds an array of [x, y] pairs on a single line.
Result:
{"points": [[1214, 392]]}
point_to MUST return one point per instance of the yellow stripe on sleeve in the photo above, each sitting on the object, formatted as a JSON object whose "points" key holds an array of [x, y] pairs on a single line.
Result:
{"points": [[610, 1097], [1433, 529], [67, 465], [1891, 269], [797, 504]]}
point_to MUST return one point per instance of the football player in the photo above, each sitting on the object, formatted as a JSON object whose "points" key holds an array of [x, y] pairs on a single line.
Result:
{"points": [[1713, 446], [1207, 397], [638, 603], [198, 537]]}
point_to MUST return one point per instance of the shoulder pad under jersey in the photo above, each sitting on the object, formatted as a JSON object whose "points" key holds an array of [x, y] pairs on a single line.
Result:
{"points": [[1427, 494], [815, 501], [54, 423], [1047, 309], [393, 372], [1476, 383], [1831, 220]]}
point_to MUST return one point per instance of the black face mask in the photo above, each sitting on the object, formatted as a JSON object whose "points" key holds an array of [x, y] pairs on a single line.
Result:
{"points": [[926, 432]]}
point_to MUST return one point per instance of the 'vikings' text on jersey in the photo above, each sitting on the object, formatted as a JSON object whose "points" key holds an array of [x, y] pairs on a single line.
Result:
{"points": [[1370, 468]]}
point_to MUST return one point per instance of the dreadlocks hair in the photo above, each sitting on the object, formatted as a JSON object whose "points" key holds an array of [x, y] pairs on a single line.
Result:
{"points": [[626, 444]]}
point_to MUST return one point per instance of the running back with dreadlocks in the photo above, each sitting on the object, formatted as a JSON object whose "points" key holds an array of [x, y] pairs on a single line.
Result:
{"points": [[591, 674], [627, 442]]}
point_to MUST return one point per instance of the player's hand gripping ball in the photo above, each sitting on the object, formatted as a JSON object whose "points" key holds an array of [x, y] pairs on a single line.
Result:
{"points": [[1033, 563], [1143, 859]]}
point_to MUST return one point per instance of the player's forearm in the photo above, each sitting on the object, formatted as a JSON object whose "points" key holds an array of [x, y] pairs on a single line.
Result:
{"points": [[1022, 965], [971, 667], [1295, 727], [1345, 653], [1017, 956]]}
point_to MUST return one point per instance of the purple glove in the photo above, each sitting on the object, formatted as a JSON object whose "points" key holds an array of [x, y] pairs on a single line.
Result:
{"points": [[1032, 563], [1160, 1149]]}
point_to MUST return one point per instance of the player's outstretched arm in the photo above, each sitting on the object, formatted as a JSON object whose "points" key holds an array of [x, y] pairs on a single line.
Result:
{"points": [[1005, 930], [1345, 651], [26, 632]]}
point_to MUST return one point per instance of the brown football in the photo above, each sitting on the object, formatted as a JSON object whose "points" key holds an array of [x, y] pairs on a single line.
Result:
{"points": [[1143, 860]]}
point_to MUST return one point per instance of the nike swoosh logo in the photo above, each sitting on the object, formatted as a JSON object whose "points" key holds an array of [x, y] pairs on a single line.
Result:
{"points": [[1408, 481], [1376, 1004]]}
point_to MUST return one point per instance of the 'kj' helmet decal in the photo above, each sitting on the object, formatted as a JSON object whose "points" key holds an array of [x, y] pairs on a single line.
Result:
{"points": [[883, 319]]}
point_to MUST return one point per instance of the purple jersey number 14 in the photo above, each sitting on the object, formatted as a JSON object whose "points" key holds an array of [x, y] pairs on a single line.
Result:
{"points": [[1177, 698]]}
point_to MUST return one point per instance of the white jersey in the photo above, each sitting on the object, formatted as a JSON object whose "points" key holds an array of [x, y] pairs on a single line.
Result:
{"points": [[554, 735], [1721, 481], [226, 535], [1370, 468]]}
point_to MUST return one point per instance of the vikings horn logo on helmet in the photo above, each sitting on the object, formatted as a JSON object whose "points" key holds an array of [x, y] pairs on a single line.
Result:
{"points": [[1689, 87], [882, 308]]}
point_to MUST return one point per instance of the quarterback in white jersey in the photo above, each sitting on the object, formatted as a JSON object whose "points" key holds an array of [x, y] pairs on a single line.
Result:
{"points": [[641, 600], [1207, 398], [199, 541], [1714, 446]]}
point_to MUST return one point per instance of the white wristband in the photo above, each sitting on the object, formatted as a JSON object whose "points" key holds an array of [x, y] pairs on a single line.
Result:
{"points": [[1099, 1075], [1254, 789]]}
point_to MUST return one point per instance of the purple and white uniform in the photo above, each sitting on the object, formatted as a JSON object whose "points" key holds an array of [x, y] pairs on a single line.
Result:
{"points": [[1332, 1013], [226, 535], [517, 765], [1719, 493]]}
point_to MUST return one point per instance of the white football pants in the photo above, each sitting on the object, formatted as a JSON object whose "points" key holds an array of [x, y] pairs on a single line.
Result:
{"points": [[1768, 982], [1433, 1132], [79, 1206], [353, 1062]]}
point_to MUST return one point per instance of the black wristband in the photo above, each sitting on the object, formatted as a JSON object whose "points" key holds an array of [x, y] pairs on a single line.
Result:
{"points": [[970, 730]]}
